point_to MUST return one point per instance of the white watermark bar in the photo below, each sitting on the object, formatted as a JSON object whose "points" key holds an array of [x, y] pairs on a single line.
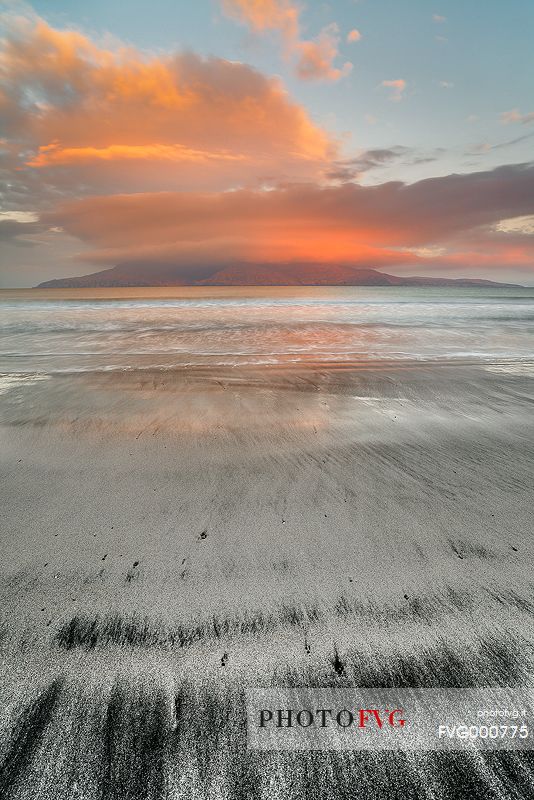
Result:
{"points": [[390, 719]]}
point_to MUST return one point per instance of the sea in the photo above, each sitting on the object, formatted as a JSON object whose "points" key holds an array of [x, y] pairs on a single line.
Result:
{"points": [[44, 331]]}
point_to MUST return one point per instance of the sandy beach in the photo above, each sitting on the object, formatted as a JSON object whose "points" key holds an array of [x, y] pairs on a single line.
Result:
{"points": [[173, 537], [266, 400]]}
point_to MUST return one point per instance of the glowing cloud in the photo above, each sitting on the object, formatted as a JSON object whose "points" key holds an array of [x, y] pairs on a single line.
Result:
{"points": [[314, 58], [173, 121], [54, 154], [452, 220], [262, 15]]}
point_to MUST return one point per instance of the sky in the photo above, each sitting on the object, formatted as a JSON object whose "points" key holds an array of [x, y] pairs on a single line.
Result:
{"points": [[373, 133]]}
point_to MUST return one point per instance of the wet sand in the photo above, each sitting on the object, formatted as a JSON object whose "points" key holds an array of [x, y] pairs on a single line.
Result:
{"points": [[171, 537]]}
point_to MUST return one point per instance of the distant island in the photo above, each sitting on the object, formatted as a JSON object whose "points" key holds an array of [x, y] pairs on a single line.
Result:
{"points": [[245, 274]]}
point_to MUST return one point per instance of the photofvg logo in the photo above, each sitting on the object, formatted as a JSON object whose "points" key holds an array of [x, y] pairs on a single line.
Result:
{"points": [[388, 719], [323, 717]]}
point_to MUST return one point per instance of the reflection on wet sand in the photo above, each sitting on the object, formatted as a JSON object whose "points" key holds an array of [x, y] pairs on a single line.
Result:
{"points": [[176, 536]]}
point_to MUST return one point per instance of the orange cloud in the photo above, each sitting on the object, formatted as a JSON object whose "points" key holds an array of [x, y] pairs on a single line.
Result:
{"points": [[54, 153], [262, 15], [441, 221], [314, 58], [398, 87], [208, 122], [354, 35]]}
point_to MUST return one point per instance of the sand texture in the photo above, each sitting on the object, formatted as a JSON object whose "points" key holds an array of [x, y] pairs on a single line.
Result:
{"points": [[172, 537]]}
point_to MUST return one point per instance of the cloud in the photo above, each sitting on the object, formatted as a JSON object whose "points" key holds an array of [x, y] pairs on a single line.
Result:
{"points": [[54, 153], [439, 19], [353, 224], [262, 15], [517, 225], [78, 117], [204, 161], [515, 115], [314, 58], [398, 87], [446, 84], [353, 168], [354, 35]]}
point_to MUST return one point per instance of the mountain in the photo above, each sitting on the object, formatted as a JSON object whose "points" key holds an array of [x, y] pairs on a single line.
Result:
{"points": [[241, 274]]}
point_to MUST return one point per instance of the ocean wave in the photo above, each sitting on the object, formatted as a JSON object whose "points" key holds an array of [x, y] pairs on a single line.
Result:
{"points": [[334, 326]]}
